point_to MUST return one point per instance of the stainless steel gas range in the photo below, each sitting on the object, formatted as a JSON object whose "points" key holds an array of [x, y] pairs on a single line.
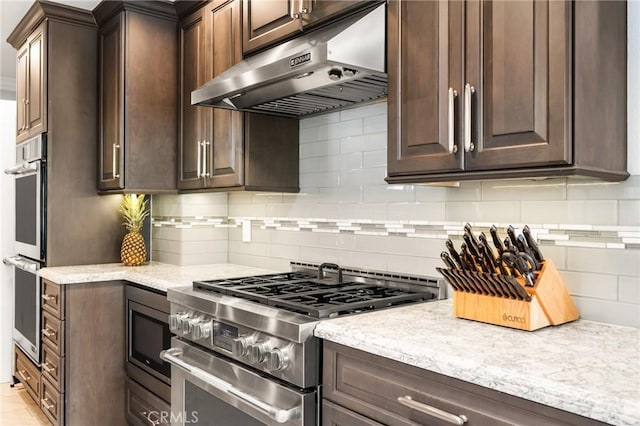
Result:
{"points": [[244, 352]]}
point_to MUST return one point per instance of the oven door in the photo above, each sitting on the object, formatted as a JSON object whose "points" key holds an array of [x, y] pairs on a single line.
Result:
{"points": [[216, 391], [26, 290], [148, 332]]}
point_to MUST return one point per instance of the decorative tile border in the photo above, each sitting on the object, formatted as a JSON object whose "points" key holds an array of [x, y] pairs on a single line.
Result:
{"points": [[568, 235]]}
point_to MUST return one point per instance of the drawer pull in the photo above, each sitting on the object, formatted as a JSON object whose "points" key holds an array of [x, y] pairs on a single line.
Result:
{"points": [[49, 298], [23, 375], [49, 332], [407, 401], [47, 368], [45, 404]]}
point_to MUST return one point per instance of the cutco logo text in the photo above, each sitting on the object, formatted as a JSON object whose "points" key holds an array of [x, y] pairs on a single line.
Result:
{"points": [[299, 60], [512, 318]]}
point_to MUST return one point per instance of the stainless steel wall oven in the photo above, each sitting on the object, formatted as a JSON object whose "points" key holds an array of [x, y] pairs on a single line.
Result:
{"points": [[30, 241]]}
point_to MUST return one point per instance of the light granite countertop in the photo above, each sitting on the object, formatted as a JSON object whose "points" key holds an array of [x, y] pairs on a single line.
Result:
{"points": [[159, 276], [587, 368]]}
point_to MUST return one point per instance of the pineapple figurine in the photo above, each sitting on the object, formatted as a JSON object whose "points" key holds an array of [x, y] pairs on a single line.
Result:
{"points": [[134, 212]]}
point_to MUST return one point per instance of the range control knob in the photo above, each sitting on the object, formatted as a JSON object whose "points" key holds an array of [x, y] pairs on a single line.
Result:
{"points": [[240, 346], [278, 359], [349, 72], [201, 330], [175, 321], [258, 352], [335, 74]]}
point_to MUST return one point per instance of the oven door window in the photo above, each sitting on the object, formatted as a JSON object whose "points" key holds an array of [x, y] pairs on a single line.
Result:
{"points": [[26, 304], [26, 209], [149, 337], [201, 406]]}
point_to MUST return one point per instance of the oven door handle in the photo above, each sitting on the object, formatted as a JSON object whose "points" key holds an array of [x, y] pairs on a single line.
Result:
{"points": [[21, 263], [22, 169], [172, 356]]}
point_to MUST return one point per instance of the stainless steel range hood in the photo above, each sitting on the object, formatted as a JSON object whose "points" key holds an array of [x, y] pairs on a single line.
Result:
{"points": [[339, 66]]}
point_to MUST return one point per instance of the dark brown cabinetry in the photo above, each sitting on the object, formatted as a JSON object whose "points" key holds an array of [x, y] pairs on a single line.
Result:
{"points": [[365, 389], [221, 149], [31, 88], [269, 21], [503, 88], [138, 48]]}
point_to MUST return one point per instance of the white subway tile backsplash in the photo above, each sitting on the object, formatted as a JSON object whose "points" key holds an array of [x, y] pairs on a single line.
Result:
{"points": [[629, 289], [616, 262], [571, 212], [364, 143], [582, 189], [369, 110], [417, 211], [375, 158], [467, 191], [318, 120], [493, 212], [608, 311], [362, 210], [431, 193], [629, 212], [388, 194], [598, 286], [372, 176], [319, 180], [374, 124], [320, 149], [548, 189]]}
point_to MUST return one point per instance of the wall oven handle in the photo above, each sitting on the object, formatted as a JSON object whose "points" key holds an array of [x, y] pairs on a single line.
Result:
{"points": [[20, 263], [22, 169], [280, 415]]}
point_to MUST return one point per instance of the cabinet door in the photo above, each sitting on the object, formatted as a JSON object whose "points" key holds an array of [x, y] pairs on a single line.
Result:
{"points": [[224, 140], [266, 21], [111, 104], [36, 84], [335, 415], [425, 71], [22, 75], [320, 11], [518, 61], [193, 60]]}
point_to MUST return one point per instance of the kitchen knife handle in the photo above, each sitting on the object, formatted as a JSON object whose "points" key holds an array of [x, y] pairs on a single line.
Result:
{"points": [[496, 239], [533, 245], [453, 148], [454, 254], [447, 260], [468, 91], [429, 410]]}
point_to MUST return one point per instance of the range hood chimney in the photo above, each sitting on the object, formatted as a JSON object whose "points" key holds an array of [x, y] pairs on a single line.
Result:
{"points": [[324, 70]]}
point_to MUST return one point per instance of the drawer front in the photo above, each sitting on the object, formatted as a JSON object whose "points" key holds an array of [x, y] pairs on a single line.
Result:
{"points": [[335, 415], [51, 403], [53, 367], [52, 333], [143, 408], [28, 374], [52, 299], [393, 393]]}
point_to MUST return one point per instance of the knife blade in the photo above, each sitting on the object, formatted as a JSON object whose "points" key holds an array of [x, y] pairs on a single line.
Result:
{"points": [[533, 245], [496, 239]]}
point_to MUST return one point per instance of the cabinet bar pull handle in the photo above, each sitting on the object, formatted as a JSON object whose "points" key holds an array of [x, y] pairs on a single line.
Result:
{"points": [[26, 113], [468, 91], [115, 156], [199, 160], [295, 14], [205, 144], [407, 401], [47, 368], [453, 148], [46, 404], [49, 332], [49, 298], [23, 375]]}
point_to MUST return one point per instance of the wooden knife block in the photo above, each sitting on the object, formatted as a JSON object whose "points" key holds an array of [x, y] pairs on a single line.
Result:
{"points": [[550, 304]]}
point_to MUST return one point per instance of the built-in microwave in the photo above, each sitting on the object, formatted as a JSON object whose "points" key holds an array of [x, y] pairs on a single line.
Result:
{"points": [[147, 335]]}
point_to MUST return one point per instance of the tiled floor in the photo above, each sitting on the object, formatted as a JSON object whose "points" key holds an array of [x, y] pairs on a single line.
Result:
{"points": [[18, 409]]}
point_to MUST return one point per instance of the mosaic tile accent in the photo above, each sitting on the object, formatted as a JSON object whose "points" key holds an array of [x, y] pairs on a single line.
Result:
{"points": [[568, 235]]}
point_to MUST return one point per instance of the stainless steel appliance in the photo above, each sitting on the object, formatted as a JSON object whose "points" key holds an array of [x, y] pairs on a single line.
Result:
{"points": [[244, 351], [147, 335], [335, 67], [30, 242]]}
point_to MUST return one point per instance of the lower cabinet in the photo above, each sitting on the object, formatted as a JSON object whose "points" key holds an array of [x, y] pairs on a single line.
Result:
{"points": [[82, 374], [365, 389], [143, 407]]}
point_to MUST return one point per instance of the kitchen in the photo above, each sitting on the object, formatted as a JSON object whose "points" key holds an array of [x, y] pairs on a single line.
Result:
{"points": [[345, 213]]}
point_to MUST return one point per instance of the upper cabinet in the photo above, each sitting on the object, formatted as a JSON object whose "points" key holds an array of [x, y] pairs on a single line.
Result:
{"points": [[31, 83], [268, 21], [138, 47], [506, 89], [221, 149]]}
